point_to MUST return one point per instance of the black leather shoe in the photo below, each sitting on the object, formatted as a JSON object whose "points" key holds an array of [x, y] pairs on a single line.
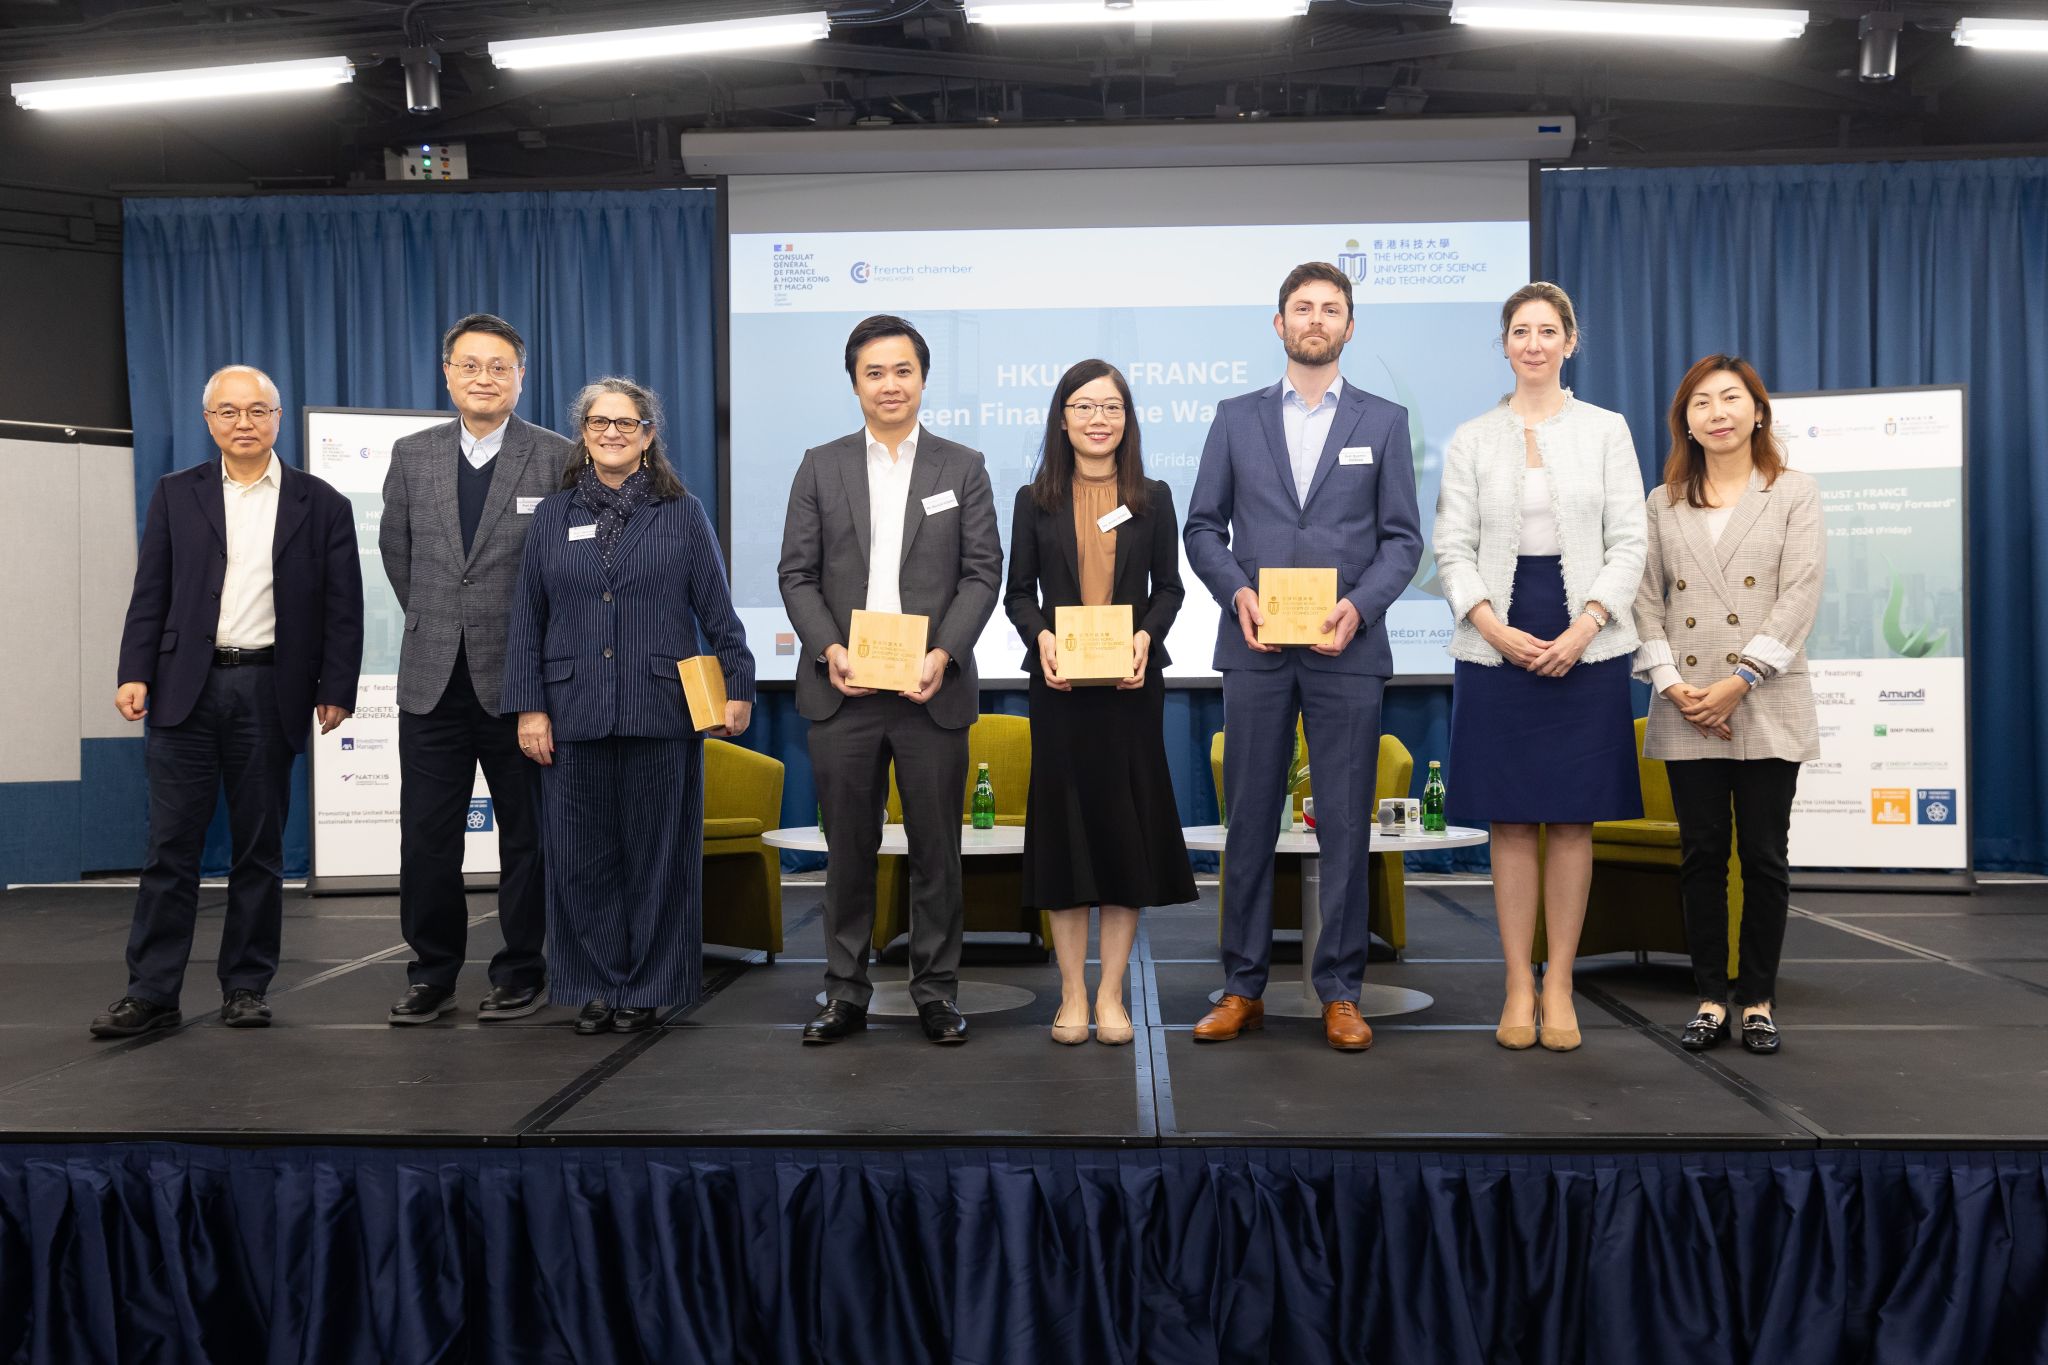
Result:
{"points": [[595, 1017], [422, 1005], [128, 1016], [245, 1009], [512, 1002], [837, 1020], [1705, 1031], [942, 1022], [1759, 1034], [634, 1020]]}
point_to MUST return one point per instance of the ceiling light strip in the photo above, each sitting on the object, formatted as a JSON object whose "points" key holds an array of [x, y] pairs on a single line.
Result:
{"points": [[173, 87], [1614, 19], [2003, 35], [1050, 13], [674, 40]]}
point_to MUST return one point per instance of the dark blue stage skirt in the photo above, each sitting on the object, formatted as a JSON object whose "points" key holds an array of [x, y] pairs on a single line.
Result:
{"points": [[1533, 750]]}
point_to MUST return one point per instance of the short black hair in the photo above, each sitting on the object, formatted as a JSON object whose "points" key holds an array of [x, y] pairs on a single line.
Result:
{"points": [[490, 324], [1309, 271], [883, 325]]}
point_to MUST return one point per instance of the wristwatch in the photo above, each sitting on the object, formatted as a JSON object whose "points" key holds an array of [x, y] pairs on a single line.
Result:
{"points": [[1748, 675], [1600, 618]]}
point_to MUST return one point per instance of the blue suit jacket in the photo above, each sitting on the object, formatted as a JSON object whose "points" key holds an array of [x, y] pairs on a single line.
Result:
{"points": [[316, 589], [1359, 519], [597, 648]]}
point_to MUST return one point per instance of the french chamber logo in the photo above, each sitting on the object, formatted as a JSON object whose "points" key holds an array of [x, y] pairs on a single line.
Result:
{"points": [[860, 272], [1891, 806]]}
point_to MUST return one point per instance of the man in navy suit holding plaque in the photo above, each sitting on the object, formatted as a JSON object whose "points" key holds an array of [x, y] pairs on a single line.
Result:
{"points": [[1308, 473]]}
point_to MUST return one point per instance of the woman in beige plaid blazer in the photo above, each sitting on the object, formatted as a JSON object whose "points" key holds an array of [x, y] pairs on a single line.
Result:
{"points": [[1730, 591]]}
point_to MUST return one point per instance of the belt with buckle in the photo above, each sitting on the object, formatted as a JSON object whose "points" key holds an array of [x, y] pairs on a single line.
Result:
{"points": [[232, 657]]}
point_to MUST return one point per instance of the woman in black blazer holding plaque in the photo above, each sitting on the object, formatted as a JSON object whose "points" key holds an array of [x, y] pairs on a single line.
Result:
{"points": [[1101, 825]]}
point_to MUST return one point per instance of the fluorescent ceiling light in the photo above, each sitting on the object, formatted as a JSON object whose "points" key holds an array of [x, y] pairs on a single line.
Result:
{"points": [[1018, 13], [199, 83], [1600, 18], [2003, 35], [675, 40]]}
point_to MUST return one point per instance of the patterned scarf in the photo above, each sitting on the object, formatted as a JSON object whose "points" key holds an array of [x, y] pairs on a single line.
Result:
{"points": [[613, 507]]}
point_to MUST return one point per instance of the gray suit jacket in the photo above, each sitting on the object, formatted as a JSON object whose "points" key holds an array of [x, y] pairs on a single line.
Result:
{"points": [[951, 570], [454, 600], [1704, 603]]}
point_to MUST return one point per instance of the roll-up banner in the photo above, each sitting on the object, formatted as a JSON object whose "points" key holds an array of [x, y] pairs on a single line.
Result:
{"points": [[1889, 653], [354, 814]]}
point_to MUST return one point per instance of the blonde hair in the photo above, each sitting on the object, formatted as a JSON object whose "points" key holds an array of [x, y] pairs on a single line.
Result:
{"points": [[1548, 293]]}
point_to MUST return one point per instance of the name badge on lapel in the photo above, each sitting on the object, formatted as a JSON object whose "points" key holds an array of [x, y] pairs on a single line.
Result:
{"points": [[940, 502], [1355, 455], [525, 506], [583, 532], [1109, 521]]}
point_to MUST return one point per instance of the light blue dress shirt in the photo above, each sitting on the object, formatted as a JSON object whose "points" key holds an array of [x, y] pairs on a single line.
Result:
{"points": [[478, 450], [1307, 430]]}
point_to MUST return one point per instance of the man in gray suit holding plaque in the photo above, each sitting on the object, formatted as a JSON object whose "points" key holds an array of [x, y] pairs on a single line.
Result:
{"points": [[1311, 473], [457, 502], [892, 520]]}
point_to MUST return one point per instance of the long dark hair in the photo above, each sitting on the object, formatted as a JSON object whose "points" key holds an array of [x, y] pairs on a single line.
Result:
{"points": [[1054, 483], [663, 481], [1685, 472]]}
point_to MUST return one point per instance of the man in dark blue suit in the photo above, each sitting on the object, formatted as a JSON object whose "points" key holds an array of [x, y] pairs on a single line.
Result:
{"points": [[1308, 473], [246, 620]]}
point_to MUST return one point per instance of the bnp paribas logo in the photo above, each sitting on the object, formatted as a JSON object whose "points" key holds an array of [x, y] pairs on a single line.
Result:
{"points": [[1354, 262]]}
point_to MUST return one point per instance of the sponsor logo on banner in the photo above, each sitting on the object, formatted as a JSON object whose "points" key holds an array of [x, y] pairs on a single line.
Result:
{"points": [[1937, 805], [785, 642], [1889, 806], [348, 745], [480, 820], [1353, 262], [860, 272], [1902, 696]]}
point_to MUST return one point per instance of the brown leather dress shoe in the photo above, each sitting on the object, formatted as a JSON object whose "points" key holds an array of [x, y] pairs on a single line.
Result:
{"points": [[1345, 1027], [1233, 1015]]}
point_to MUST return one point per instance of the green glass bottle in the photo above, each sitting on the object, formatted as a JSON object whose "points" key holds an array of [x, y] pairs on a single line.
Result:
{"points": [[984, 800], [1433, 800]]}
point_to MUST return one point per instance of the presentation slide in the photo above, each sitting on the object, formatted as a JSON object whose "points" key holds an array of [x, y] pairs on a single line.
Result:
{"points": [[1892, 784], [1172, 276]]}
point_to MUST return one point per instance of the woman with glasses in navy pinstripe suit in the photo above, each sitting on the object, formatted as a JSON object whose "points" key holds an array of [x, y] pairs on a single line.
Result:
{"points": [[621, 579]]}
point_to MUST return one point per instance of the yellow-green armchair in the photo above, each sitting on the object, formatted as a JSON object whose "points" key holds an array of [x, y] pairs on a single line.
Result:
{"points": [[742, 875], [1389, 882], [1634, 903], [992, 887]]}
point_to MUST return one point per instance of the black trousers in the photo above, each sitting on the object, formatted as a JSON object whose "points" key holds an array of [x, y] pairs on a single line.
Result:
{"points": [[232, 739], [1757, 792], [438, 754], [850, 755]]}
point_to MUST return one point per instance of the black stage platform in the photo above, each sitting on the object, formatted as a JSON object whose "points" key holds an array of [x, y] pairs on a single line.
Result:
{"points": [[1910, 1020]]}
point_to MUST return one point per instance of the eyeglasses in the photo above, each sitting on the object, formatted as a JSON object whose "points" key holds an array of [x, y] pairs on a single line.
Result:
{"points": [[257, 413], [469, 369], [1085, 409], [598, 426]]}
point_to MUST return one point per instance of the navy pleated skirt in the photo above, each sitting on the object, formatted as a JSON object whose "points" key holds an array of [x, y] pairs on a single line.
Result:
{"points": [[1532, 750]]}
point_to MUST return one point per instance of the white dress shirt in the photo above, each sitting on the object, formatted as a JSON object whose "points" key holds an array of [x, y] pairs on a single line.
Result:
{"points": [[478, 450], [1307, 429], [248, 616], [888, 494]]}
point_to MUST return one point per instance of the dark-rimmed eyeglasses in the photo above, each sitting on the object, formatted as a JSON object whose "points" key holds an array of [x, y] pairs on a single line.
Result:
{"points": [[469, 369], [1085, 409], [598, 426]]}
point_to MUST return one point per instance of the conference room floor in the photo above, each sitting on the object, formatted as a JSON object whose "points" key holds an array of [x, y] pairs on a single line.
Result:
{"points": [[1909, 1019]]}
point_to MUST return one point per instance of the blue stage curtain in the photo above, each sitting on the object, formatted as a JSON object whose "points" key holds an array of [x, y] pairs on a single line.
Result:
{"points": [[118, 1254], [342, 299], [1846, 277]]}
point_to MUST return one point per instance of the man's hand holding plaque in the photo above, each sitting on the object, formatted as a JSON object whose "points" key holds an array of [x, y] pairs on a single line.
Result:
{"points": [[887, 651], [1298, 605]]}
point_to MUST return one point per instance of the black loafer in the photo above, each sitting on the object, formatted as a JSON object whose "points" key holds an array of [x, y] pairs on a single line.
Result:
{"points": [[422, 1005], [633, 1020], [942, 1022], [837, 1020], [1759, 1034], [512, 1002], [595, 1017], [1704, 1032], [245, 1009], [129, 1016]]}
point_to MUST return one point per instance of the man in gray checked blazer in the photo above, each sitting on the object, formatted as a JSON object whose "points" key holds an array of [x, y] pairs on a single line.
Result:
{"points": [[891, 519], [457, 502]]}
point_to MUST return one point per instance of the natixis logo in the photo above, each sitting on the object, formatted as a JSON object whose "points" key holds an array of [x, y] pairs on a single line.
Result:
{"points": [[1354, 262], [860, 272]]}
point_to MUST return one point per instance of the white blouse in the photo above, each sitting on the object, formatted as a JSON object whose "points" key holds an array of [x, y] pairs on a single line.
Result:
{"points": [[1539, 518]]}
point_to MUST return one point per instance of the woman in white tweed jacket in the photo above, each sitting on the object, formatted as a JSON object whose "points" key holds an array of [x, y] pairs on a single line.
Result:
{"points": [[1736, 562], [1539, 544]]}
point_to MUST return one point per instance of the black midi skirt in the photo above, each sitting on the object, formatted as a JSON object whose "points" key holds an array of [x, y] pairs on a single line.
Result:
{"points": [[1534, 750], [1102, 827]]}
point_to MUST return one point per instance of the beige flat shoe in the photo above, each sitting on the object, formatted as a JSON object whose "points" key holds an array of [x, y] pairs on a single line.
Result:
{"points": [[1115, 1035], [1070, 1035]]}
